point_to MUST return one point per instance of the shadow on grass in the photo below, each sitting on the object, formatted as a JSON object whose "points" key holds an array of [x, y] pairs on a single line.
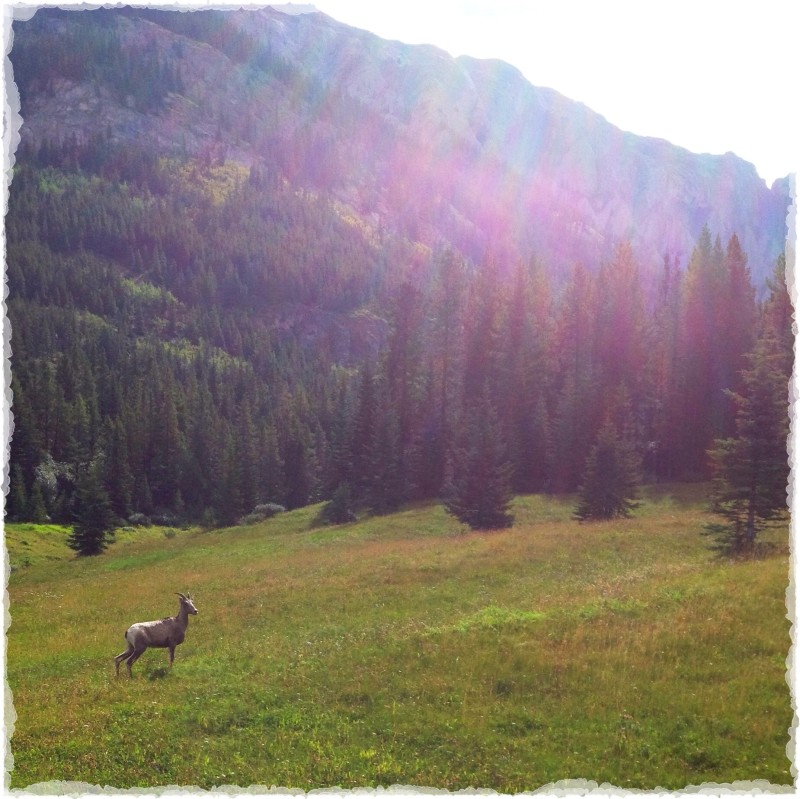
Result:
{"points": [[158, 673]]}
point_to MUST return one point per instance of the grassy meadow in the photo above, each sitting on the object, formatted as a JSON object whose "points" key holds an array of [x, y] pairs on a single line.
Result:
{"points": [[406, 650]]}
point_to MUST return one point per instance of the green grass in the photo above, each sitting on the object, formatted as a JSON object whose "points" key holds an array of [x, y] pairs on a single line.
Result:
{"points": [[30, 544], [409, 650]]}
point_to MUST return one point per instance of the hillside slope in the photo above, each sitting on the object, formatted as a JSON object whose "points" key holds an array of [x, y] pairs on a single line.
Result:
{"points": [[405, 651], [448, 151]]}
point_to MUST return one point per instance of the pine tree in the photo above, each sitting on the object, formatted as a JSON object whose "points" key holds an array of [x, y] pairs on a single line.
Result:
{"points": [[26, 438], [272, 470], [297, 458], [619, 323], [446, 306], [166, 448], [363, 434], [777, 319], [611, 478], [17, 499], [751, 470], [717, 327], [386, 485], [661, 372], [339, 508], [93, 519], [37, 510], [118, 478], [577, 414], [478, 487]]}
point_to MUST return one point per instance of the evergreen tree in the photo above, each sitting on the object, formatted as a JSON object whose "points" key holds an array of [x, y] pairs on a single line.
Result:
{"points": [[363, 434], [26, 438], [446, 305], [93, 519], [247, 466], [297, 458], [272, 468], [751, 469], [165, 451], [531, 446], [777, 321], [478, 487], [611, 478], [619, 323], [401, 367], [717, 327], [17, 502], [659, 404], [118, 478], [386, 485], [37, 510], [698, 392], [339, 508], [577, 413]]}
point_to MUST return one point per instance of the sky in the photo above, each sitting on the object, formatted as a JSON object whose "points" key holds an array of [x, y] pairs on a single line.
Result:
{"points": [[712, 76]]}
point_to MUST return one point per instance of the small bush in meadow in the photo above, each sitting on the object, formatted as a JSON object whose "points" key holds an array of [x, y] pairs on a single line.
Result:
{"points": [[262, 512], [166, 519], [339, 508]]}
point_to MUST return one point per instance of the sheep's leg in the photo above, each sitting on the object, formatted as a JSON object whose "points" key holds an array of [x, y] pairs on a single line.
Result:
{"points": [[122, 656], [171, 655], [137, 653]]}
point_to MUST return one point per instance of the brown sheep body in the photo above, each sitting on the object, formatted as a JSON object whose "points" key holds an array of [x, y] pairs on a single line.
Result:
{"points": [[164, 634]]}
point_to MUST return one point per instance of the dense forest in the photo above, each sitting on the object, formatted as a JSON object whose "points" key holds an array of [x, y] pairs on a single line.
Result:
{"points": [[207, 338], [256, 307]]}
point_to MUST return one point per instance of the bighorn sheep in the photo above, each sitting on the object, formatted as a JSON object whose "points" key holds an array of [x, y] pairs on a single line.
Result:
{"points": [[167, 633]]}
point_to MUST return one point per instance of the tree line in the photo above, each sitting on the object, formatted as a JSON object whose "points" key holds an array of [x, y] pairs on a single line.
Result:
{"points": [[194, 339]]}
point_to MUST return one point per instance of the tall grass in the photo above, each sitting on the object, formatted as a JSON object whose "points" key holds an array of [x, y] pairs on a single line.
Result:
{"points": [[408, 650]]}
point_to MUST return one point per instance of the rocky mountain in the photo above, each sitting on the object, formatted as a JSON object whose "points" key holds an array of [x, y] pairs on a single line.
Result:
{"points": [[445, 152]]}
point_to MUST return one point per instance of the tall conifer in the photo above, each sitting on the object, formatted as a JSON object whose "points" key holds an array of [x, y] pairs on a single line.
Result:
{"points": [[93, 518], [751, 469], [478, 487], [611, 478]]}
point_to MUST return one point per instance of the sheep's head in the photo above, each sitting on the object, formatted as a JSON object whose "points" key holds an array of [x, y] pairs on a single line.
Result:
{"points": [[186, 601]]}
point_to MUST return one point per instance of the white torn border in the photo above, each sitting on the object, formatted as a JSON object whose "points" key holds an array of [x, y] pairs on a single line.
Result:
{"points": [[12, 122]]}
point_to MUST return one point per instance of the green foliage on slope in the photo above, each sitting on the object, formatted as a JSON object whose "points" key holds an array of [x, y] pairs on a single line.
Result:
{"points": [[408, 650], [248, 286]]}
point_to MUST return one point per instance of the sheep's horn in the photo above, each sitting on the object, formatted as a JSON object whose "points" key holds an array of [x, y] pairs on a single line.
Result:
{"points": [[177, 593]]}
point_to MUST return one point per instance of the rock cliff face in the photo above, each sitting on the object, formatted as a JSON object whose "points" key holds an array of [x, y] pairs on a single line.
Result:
{"points": [[455, 152]]}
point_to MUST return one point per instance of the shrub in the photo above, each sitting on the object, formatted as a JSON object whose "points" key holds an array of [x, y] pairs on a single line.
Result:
{"points": [[339, 508], [262, 512], [209, 520], [166, 519]]}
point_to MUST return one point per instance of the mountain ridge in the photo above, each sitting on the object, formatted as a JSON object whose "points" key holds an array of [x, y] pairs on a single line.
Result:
{"points": [[459, 152]]}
